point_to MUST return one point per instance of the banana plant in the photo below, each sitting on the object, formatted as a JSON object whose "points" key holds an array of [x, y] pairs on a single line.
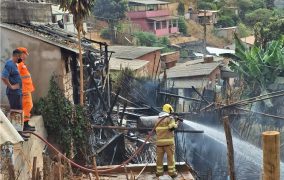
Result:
{"points": [[258, 67]]}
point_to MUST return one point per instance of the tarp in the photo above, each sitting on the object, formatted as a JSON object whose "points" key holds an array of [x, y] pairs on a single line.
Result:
{"points": [[7, 131]]}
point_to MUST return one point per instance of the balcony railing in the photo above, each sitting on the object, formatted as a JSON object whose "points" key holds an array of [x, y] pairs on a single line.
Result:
{"points": [[148, 14]]}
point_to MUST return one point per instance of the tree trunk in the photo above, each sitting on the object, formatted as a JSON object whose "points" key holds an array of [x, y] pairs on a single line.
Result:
{"points": [[81, 68]]}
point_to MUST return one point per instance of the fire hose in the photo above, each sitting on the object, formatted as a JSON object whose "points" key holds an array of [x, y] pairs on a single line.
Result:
{"points": [[92, 170]]}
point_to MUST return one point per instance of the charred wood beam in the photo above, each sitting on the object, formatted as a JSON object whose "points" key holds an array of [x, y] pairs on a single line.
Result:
{"points": [[202, 97], [122, 115], [178, 96], [134, 108], [124, 99], [111, 107], [130, 113], [112, 141], [142, 129]]}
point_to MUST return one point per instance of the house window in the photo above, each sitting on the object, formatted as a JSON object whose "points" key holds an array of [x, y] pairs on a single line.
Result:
{"points": [[132, 8], [152, 7], [174, 23], [158, 25], [54, 18], [164, 24]]}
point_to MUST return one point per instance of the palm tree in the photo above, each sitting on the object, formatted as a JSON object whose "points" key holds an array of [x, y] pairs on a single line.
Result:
{"points": [[80, 10]]}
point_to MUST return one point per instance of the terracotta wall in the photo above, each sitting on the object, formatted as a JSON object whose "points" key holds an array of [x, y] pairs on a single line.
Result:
{"points": [[154, 67], [170, 59]]}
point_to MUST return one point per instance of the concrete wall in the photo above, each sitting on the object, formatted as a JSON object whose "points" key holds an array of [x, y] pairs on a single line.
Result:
{"points": [[21, 12], [227, 33], [154, 63], [44, 60]]}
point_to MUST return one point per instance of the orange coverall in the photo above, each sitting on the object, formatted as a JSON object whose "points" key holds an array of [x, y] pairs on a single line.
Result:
{"points": [[27, 89]]}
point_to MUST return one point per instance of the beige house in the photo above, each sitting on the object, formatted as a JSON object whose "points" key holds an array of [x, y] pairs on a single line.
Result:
{"points": [[137, 65], [248, 41]]}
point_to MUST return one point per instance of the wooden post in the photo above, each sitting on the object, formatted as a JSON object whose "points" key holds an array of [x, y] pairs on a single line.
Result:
{"points": [[230, 148], [34, 169], [37, 174], [46, 167], [271, 155], [95, 168], [125, 170], [11, 170]]}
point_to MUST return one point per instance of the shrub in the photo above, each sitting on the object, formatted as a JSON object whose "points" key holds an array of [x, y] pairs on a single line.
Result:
{"points": [[64, 121], [182, 25], [105, 33]]}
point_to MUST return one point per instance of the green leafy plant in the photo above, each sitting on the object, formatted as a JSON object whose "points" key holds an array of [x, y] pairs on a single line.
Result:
{"points": [[151, 40], [258, 67], [111, 11], [64, 121], [182, 25], [105, 33]]}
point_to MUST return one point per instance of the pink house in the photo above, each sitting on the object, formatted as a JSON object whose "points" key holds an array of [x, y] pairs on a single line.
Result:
{"points": [[153, 16]]}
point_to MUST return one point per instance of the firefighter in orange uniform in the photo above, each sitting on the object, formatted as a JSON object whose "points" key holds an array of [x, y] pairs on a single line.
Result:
{"points": [[27, 89], [165, 141]]}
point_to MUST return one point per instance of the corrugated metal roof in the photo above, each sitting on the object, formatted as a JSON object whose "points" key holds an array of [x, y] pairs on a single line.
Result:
{"points": [[131, 52], [117, 64], [218, 51], [7, 131], [147, 2], [184, 70]]}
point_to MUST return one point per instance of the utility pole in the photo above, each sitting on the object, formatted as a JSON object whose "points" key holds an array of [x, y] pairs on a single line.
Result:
{"points": [[229, 139], [204, 35]]}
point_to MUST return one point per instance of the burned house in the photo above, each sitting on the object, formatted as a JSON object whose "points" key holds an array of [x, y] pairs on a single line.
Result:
{"points": [[49, 56]]}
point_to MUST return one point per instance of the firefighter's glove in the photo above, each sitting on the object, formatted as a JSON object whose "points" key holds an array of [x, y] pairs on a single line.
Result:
{"points": [[179, 119]]}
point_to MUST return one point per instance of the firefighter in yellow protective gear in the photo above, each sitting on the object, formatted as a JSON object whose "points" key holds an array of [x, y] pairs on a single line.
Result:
{"points": [[165, 141]]}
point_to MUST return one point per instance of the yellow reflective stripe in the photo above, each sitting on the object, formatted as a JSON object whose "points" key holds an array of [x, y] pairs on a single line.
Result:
{"points": [[24, 77], [171, 166], [160, 167], [165, 140], [161, 128]]}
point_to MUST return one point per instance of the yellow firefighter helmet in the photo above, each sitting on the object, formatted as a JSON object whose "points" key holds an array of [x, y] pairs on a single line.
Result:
{"points": [[168, 108]]}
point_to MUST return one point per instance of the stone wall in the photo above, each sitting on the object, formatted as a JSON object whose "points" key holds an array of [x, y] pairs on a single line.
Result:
{"points": [[23, 12]]}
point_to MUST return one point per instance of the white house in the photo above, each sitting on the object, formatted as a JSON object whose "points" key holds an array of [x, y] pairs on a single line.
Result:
{"points": [[64, 19]]}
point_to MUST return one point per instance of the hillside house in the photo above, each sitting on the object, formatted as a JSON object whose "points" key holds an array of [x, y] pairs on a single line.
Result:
{"points": [[64, 19], [207, 17], [153, 16], [248, 41], [143, 60]]}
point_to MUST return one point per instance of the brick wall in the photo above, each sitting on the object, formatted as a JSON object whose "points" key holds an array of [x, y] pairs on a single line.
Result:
{"points": [[170, 59], [154, 66]]}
